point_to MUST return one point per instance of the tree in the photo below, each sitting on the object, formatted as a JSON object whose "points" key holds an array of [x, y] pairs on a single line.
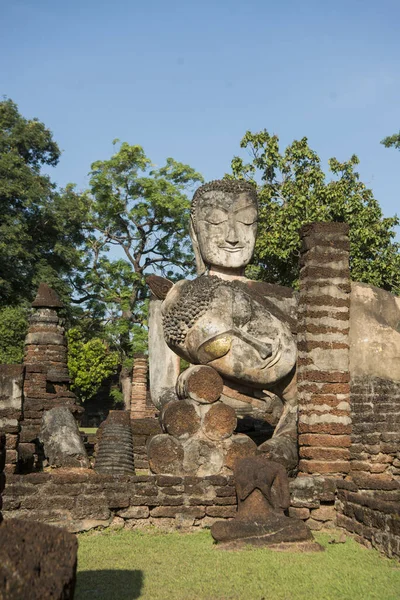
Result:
{"points": [[40, 233], [294, 190], [89, 364], [13, 329], [137, 223], [392, 141]]}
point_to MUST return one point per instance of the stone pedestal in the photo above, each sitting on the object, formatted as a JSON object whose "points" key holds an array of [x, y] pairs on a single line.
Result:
{"points": [[199, 437]]}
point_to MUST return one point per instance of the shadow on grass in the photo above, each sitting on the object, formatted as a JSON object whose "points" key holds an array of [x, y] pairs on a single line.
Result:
{"points": [[108, 584]]}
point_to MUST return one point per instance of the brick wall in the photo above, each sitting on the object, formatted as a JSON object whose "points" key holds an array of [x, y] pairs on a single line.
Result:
{"points": [[66, 499], [323, 350], [372, 515], [143, 430], [140, 407], [375, 450], [368, 504]]}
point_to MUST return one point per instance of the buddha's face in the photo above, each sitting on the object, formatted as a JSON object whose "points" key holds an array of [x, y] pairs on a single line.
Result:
{"points": [[226, 227]]}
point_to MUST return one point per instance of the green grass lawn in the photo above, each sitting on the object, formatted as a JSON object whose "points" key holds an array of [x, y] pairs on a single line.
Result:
{"points": [[171, 566], [88, 430]]}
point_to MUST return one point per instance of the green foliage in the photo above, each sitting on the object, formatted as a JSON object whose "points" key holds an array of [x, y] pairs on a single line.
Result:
{"points": [[39, 231], [392, 141], [118, 398], [89, 363], [294, 190], [13, 329], [136, 225]]}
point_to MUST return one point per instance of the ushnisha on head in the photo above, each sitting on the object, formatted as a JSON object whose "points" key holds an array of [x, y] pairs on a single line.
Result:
{"points": [[223, 225]]}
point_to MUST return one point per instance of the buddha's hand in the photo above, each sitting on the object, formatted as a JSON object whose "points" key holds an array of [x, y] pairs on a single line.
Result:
{"points": [[220, 344]]}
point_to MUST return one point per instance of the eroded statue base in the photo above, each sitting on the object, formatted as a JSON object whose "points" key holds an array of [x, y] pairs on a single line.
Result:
{"points": [[262, 488]]}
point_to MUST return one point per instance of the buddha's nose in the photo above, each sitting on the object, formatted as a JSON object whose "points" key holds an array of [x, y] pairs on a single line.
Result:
{"points": [[232, 237]]}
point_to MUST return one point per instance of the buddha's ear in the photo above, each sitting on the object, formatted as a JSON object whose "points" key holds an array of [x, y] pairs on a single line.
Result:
{"points": [[200, 266]]}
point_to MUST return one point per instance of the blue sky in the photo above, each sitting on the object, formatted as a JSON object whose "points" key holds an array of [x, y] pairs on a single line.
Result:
{"points": [[187, 79]]}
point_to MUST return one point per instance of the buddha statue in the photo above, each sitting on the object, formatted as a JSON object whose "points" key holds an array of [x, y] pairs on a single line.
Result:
{"points": [[225, 321]]}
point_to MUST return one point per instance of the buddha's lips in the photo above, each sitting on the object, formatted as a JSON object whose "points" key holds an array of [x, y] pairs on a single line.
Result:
{"points": [[229, 249]]}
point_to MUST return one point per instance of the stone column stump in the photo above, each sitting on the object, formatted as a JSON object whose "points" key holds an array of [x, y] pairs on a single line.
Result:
{"points": [[199, 438]]}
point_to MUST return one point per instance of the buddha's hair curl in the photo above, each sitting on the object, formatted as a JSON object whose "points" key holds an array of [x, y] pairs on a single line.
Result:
{"points": [[230, 186]]}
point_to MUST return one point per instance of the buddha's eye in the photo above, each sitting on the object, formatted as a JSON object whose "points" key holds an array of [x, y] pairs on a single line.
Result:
{"points": [[215, 217], [247, 216]]}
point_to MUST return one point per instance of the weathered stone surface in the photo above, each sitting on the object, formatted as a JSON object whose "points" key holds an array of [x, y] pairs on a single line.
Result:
{"points": [[262, 488], [165, 455], [321, 453], [135, 512], [325, 440], [200, 383], [11, 381], [180, 419], [147, 427], [257, 359], [299, 513], [305, 492], [164, 364], [374, 334], [36, 561], [241, 446], [115, 444], [319, 466], [62, 442], [45, 338], [324, 513], [275, 529], [221, 511], [219, 422], [281, 449], [202, 458], [46, 297]]}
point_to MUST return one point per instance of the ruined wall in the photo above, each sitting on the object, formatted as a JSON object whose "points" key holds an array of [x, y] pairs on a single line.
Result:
{"points": [[368, 504], [81, 500], [143, 430], [67, 499], [375, 450], [11, 384], [371, 513]]}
